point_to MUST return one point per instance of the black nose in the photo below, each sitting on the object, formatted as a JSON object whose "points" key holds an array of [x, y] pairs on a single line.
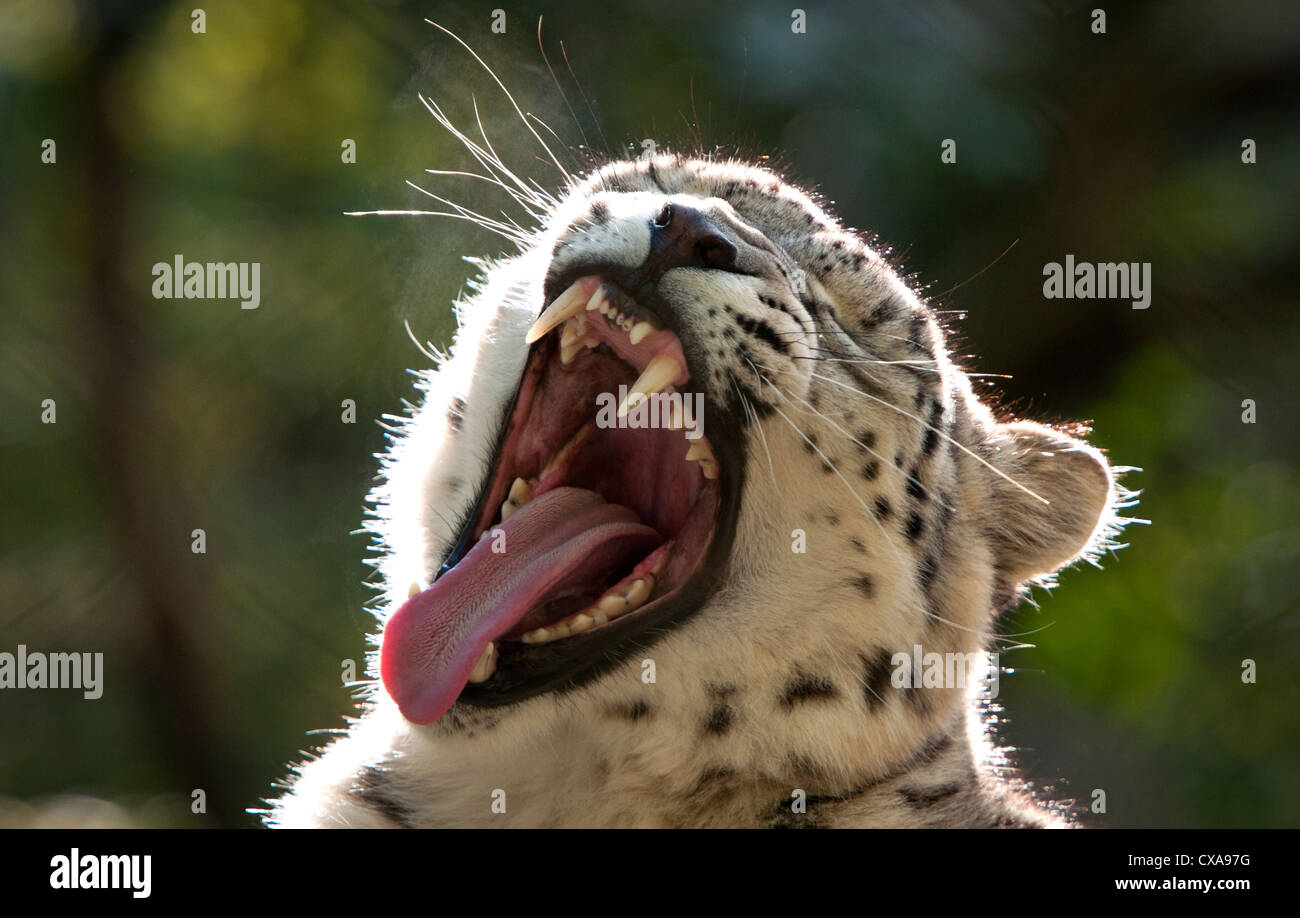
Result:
{"points": [[682, 237]]}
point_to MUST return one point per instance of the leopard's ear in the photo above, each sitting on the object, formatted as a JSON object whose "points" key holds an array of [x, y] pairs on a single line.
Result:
{"points": [[1032, 537]]}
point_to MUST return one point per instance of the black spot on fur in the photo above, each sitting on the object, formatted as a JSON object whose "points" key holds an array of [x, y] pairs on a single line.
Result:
{"points": [[720, 719], [882, 508], [808, 687], [915, 526], [932, 750], [372, 788], [757, 328], [456, 414], [633, 711], [867, 438], [864, 585], [599, 212], [914, 487], [876, 670], [856, 545], [930, 441], [719, 690], [923, 797], [871, 470]]}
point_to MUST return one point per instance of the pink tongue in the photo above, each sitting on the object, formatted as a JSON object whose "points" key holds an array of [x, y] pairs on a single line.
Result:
{"points": [[566, 537]]}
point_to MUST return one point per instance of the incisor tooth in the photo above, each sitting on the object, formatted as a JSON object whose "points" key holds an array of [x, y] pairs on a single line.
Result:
{"points": [[658, 373], [598, 300], [568, 303], [639, 331]]}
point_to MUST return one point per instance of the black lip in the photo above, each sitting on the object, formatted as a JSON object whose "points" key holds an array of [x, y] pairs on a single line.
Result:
{"points": [[528, 670]]}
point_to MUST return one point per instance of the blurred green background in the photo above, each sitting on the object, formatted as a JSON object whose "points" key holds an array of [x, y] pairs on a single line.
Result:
{"points": [[226, 146]]}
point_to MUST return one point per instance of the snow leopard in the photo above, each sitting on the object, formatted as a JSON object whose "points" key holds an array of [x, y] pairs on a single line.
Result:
{"points": [[695, 492]]}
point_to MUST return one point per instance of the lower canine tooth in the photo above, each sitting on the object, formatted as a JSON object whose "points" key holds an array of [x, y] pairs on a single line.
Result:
{"points": [[573, 329], [413, 591], [486, 665], [639, 592], [699, 449]]}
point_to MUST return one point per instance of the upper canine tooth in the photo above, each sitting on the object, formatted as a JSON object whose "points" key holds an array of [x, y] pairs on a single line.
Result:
{"points": [[521, 492], [661, 371], [639, 331], [568, 303]]}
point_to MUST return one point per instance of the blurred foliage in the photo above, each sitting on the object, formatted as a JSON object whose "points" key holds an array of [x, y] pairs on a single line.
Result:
{"points": [[183, 414]]}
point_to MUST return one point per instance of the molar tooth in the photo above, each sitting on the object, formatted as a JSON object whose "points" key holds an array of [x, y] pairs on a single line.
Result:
{"points": [[580, 623], [612, 604], [537, 636], [659, 372], [486, 665], [568, 303], [639, 331]]}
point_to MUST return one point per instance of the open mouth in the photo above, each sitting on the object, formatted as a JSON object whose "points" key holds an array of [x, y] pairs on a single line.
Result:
{"points": [[598, 526]]}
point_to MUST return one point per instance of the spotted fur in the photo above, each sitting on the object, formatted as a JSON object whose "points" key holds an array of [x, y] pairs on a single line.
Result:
{"points": [[924, 518]]}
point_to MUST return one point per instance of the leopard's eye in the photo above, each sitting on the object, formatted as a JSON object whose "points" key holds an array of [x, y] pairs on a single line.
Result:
{"points": [[665, 217]]}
